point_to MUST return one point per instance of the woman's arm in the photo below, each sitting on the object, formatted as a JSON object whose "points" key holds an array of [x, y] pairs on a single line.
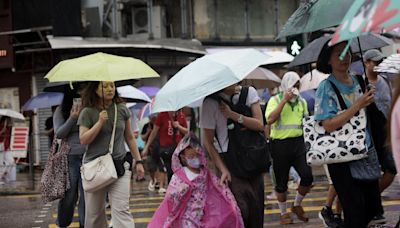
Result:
{"points": [[87, 135], [130, 140], [62, 128], [253, 123], [209, 145], [341, 119], [150, 140]]}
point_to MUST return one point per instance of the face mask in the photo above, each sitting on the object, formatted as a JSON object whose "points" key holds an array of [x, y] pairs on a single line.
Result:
{"points": [[193, 162], [296, 94]]}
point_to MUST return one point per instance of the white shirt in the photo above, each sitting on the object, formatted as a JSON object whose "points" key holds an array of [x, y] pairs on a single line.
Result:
{"points": [[189, 174], [212, 118]]}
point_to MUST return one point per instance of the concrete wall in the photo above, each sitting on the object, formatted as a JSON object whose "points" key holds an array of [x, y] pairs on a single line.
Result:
{"points": [[228, 18]]}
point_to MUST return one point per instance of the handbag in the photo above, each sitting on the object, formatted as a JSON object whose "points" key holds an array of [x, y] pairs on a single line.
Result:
{"points": [[367, 169], [345, 144], [55, 177], [100, 172]]}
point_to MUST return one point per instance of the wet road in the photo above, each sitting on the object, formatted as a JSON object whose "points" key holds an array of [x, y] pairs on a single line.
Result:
{"points": [[28, 211]]}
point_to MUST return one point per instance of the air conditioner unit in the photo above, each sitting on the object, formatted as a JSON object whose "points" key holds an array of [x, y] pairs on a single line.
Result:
{"points": [[140, 22]]}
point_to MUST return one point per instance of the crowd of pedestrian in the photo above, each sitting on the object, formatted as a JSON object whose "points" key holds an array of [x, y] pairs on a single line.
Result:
{"points": [[233, 196]]}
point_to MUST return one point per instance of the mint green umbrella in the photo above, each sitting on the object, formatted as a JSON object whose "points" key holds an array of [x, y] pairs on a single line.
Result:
{"points": [[366, 16], [205, 76], [315, 15]]}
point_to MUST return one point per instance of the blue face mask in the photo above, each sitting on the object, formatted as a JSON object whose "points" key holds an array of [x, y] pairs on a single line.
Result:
{"points": [[193, 162]]}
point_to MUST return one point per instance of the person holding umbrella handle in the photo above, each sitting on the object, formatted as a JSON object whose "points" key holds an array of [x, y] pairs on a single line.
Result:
{"points": [[96, 122]]}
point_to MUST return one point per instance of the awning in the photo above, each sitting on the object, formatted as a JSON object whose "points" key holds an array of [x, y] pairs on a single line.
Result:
{"points": [[180, 45]]}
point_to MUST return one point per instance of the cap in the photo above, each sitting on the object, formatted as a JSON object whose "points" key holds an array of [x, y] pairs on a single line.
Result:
{"points": [[373, 55]]}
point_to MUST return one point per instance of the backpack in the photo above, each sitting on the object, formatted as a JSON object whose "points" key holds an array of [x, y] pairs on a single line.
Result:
{"points": [[248, 153]]}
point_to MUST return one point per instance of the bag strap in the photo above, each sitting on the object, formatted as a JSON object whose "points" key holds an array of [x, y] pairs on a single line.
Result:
{"points": [[243, 95], [111, 145], [343, 105]]}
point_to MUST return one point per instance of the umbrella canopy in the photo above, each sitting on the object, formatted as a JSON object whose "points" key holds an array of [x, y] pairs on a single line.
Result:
{"points": [[262, 78], [131, 94], [100, 67], [390, 65], [11, 113], [368, 16], [43, 100], [311, 80], [315, 15], [311, 52], [205, 76], [277, 57], [150, 91], [145, 111]]}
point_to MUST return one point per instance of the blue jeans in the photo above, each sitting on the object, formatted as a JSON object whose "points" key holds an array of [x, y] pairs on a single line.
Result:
{"points": [[66, 205]]}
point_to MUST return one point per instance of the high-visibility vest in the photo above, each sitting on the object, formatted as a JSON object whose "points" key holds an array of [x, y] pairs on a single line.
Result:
{"points": [[290, 121]]}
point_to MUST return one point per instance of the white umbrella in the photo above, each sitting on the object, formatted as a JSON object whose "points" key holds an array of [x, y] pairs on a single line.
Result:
{"points": [[205, 76], [311, 80], [262, 78], [11, 113], [132, 94], [278, 57]]}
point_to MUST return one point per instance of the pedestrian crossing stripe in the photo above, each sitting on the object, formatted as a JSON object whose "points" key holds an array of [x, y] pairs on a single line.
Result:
{"points": [[266, 212]]}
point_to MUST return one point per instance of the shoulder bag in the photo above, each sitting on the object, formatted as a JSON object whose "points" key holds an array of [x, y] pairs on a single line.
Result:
{"points": [[100, 172], [345, 144], [55, 177]]}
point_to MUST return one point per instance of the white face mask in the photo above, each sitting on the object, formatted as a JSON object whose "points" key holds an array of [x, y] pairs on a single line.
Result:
{"points": [[296, 94], [193, 162]]}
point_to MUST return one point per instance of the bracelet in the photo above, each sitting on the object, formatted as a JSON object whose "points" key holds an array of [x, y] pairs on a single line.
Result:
{"points": [[139, 162]]}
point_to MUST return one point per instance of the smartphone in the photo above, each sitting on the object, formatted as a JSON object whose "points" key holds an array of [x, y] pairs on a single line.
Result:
{"points": [[77, 103]]}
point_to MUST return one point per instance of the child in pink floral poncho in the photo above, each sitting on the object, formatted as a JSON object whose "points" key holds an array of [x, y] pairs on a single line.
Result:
{"points": [[194, 197]]}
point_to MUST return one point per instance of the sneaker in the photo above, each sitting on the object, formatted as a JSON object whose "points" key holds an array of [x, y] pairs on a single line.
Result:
{"points": [[326, 215], [152, 186], [299, 211], [285, 219], [272, 196], [162, 190], [378, 219], [293, 185], [338, 220]]}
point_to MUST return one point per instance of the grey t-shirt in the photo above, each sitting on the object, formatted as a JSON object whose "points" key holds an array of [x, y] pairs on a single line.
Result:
{"points": [[90, 115], [212, 118], [67, 129]]}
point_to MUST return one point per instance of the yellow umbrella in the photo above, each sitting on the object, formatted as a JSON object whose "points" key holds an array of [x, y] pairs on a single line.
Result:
{"points": [[100, 67]]}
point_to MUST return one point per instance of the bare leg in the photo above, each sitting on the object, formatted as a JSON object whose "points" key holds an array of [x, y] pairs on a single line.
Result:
{"points": [[385, 181]]}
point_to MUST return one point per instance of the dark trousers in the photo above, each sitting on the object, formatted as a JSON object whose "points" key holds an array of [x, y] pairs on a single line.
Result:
{"points": [[249, 195], [360, 200], [66, 206], [286, 153]]}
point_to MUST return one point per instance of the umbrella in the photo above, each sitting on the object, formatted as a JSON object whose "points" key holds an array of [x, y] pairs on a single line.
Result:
{"points": [[205, 76], [368, 16], [151, 91], [262, 78], [100, 67], [315, 15], [311, 80], [390, 65], [43, 100], [277, 57], [131, 94], [145, 111], [61, 86], [11, 113], [311, 52]]}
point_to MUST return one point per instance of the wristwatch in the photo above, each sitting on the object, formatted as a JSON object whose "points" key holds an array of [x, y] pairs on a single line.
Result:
{"points": [[139, 162], [240, 119]]}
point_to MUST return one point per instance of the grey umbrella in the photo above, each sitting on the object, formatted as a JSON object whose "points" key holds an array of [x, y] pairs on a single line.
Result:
{"points": [[311, 52]]}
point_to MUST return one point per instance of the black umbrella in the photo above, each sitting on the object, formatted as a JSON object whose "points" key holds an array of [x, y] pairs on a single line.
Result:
{"points": [[311, 52]]}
